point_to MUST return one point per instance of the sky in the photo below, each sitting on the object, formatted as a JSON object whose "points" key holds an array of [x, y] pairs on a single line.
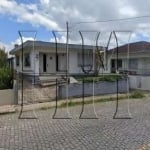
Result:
{"points": [[44, 16]]}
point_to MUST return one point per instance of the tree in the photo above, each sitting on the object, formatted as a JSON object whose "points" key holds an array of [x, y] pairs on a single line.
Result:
{"points": [[3, 58], [99, 58], [6, 74]]}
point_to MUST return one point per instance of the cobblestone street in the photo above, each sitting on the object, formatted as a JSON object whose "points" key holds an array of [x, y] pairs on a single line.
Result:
{"points": [[104, 133]]}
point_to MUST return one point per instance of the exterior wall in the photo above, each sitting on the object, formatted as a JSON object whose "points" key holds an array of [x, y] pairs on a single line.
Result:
{"points": [[40, 63], [73, 63], [62, 62], [18, 68], [34, 60], [74, 67], [108, 68], [37, 62], [50, 62], [7, 97], [139, 82], [144, 66], [75, 90], [143, 62]]}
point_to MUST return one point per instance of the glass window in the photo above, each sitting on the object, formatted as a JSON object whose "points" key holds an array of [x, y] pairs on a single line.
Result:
{"points": [[133, 64], [114, 65], [27, 62], [17, 60], [120, 63]]}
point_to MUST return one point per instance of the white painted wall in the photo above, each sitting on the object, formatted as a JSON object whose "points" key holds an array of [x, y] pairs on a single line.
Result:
{"points": [[34, 68], [7, 97], [62, 62], [139, 82], [50, 62], [74, 67], [37, 62], [73, 62], [143, 61]]}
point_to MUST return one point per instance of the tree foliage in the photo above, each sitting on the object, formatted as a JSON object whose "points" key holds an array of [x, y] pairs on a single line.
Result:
{"points": [[6, 75], [6, 78], [3, 58]]}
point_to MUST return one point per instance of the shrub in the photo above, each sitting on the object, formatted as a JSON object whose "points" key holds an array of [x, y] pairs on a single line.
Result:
{"points": [[137, 94], [6, 78], [109, 78]]}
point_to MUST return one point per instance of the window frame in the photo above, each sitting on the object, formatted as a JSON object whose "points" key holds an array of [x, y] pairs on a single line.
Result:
{"points": [[17, 60], [27, 60]]}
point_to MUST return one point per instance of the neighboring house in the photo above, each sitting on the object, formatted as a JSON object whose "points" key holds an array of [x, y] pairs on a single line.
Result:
{"points": [[40, 58], [138, 62]]}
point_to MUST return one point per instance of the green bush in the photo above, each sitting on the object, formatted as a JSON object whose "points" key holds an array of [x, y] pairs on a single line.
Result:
{"points": [[6, 78], [109, 78], [137, 94]]}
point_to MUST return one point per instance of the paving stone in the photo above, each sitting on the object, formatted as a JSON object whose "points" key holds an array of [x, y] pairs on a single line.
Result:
{"points": [[104, 133]]}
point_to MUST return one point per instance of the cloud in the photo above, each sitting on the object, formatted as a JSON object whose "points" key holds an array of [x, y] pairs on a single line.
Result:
{"points": [[27, 13], [61, 39], [128, 11], [18, 41], [53, 14], [10, 46]]}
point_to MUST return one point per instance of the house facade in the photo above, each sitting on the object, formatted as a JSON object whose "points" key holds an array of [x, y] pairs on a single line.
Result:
{"points": [[133, 58], [40, 58]]}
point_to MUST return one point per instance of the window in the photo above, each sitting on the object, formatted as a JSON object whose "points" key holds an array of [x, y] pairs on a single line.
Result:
{"points": [[120, 63], [27, 62], [114, 65], [17, 60], [133, 64]]}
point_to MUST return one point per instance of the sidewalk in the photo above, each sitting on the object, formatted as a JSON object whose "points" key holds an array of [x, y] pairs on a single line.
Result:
{"points": [[16, 108]]}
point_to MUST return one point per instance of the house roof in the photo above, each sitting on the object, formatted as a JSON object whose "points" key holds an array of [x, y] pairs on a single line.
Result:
{"points": [[48, 45], [137, 47]]}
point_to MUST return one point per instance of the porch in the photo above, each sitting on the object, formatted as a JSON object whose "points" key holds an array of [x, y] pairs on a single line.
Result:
{"points": [[50, 63]]}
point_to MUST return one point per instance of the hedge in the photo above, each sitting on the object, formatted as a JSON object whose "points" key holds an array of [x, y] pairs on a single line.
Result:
{"points": [[6, 78], [109, 78]]}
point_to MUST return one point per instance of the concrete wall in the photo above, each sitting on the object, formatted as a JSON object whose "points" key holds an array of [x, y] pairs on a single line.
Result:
{"points": [[139, 82], [75, 90], [74, 67], [6, 97]]}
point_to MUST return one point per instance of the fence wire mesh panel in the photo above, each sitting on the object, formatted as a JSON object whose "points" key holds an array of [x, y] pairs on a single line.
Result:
{"points": [[78, 64], [25, 81]]}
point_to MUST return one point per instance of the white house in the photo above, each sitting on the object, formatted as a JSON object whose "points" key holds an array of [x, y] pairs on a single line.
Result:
{"points": [[40, 58], [133, 58]]}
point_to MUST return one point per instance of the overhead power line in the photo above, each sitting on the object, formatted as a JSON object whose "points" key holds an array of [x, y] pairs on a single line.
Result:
{"points": [[113, 20]]}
